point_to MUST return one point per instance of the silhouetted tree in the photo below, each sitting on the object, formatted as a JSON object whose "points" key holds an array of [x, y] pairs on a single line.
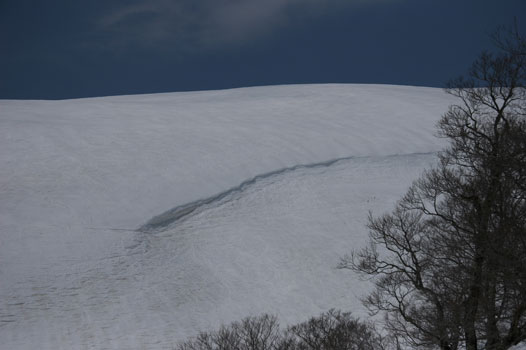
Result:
{"points": [[333, 330], [252, 333], [449, 263]]}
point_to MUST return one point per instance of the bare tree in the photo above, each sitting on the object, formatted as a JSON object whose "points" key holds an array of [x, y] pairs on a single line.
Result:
{"points": [[251, 333], [333, 330], [449, 263]]}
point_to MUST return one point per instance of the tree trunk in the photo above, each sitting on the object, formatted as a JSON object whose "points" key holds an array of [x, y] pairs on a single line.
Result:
{"points": [[472, 305]]}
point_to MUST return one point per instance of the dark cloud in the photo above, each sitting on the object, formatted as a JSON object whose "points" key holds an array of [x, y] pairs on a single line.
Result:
{"points": [[204, 24], [77, 48]]}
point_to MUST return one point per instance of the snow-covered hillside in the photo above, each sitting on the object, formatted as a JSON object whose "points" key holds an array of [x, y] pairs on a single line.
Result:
{"points": [[90, 254]]}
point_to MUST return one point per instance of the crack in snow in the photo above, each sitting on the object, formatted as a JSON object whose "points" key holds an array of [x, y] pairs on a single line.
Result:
{"points": [[176, 214]]}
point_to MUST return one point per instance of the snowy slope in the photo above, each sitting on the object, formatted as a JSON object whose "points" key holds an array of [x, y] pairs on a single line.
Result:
{"points": [[77, 177]]}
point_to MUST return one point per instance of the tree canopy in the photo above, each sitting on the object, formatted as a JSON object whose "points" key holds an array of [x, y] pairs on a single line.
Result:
{"points": [[449, 263]]}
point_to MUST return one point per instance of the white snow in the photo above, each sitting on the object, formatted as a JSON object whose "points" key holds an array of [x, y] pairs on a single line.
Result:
{"points": [[77, 177]]}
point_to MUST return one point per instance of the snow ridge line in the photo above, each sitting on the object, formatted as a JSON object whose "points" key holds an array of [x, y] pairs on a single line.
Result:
{"points": [[162, 221]]}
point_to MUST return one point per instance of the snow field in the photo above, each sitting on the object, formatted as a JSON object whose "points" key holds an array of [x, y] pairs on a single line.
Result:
{"points": [[78, 176]]}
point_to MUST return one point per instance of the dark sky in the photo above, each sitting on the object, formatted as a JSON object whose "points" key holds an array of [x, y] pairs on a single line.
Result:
{"points": [[55, 49]]}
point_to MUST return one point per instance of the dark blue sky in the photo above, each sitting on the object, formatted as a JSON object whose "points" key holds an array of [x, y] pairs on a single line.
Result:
{"points": [[54, 49]]}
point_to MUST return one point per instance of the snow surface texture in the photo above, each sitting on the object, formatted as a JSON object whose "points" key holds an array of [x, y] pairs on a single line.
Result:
{"points": [[92, 256]]}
